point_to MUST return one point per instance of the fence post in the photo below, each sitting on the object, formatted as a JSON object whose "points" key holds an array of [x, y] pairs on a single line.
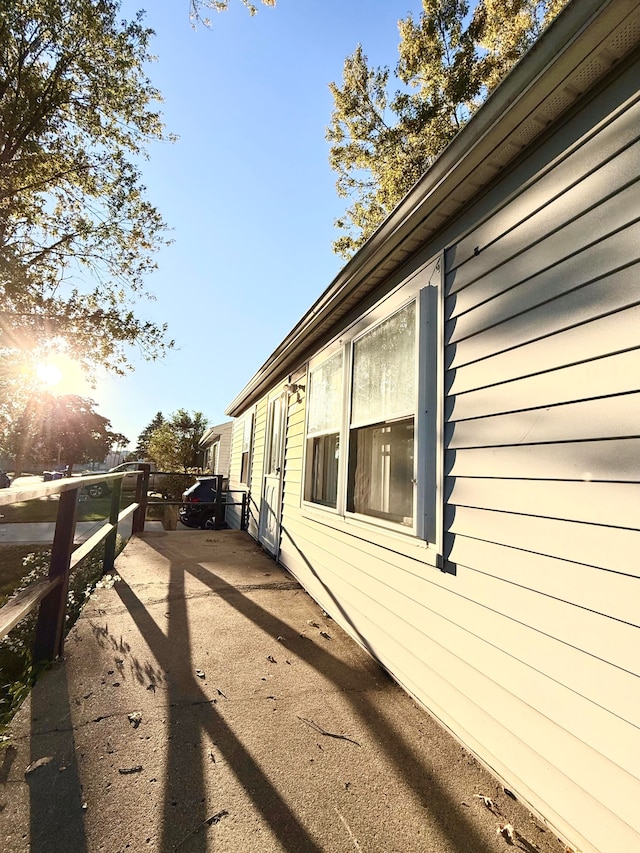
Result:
{"points": [[219, 503], [142, 488], [110, 541], [244, 520], [49, 640]]}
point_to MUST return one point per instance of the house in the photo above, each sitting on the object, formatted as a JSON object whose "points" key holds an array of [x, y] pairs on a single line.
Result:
{"points": [[215, 445], [444, 451]]}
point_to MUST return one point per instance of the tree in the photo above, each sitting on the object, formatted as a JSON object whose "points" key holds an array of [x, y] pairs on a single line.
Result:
{"points": [[142, 447], [77, 235], [449, 60], [175, 445], [61, 430], [197, 8]]}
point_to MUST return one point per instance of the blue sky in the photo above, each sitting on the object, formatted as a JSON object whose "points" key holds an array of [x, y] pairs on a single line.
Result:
{"points": [[247, 190]]}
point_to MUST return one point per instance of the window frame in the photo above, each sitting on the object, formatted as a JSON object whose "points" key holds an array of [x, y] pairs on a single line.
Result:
{"points": [[247, 418], [327, 353], [425, 287]]}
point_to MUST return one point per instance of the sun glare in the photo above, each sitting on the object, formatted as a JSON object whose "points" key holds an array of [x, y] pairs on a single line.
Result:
{"points": [[48, 374], [63, 375]]}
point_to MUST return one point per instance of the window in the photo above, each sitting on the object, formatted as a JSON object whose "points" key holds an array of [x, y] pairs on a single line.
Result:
{"points": [[246, 449], [383, 402], [324, 420], [372, 442]]}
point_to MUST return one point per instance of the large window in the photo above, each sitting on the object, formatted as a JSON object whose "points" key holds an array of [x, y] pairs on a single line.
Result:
{"points": [[383, 403], [372, 439], [324, 421]]}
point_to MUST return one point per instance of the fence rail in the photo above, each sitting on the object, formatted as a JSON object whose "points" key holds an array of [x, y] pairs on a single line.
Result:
{"points": [[50, 595]]}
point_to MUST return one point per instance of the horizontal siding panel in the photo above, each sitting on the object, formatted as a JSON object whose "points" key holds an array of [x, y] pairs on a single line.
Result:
{"points": [[296, 410], [498, 330], [616, 374], [295, 430], [294, 441], [611, 548], [233, 517], [611, 641], [606, 144], [615, 504], [607, 417], [530, 755], [443, 596], [610, 593], [615, 460], [545, 236], [295, 453], [459, 662], [290, 500], [537, 281], [593, 725], [591, 340]]}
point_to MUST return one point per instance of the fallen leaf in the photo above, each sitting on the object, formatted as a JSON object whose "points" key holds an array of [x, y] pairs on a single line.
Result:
{"points": [[220, 693], [486, 800], [506, 831], [325, 635], [272, 659], [312, 623], [280, 639], [135, 719], [200, 673], [41, 762], [126, 770]]}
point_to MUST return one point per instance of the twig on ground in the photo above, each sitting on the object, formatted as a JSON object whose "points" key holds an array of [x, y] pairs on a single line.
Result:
{"points": [[324, 732]]}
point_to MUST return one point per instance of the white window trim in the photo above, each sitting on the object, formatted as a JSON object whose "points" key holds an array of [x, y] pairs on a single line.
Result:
{"points": [[249, 415], [425, 286], [325, 355]]}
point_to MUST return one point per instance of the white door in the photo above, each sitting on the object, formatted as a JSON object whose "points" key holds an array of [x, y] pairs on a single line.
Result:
{"points": [[270, 506]]}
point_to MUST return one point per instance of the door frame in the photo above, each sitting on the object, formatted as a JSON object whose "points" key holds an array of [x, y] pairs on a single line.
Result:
{"points": [[273, 469]]}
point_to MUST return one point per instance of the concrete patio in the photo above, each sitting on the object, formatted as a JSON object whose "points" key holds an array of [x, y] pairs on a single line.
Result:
{"points": [[207, 703]]}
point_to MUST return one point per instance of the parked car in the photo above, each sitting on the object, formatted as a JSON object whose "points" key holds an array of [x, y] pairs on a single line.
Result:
{"points": [[158, 481], [192, 513], [5, 482], [56, 474]]}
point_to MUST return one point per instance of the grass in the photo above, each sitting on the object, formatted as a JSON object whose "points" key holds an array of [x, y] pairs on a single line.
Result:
{"points": [[46, 509], [11, 566], [17, 669]]}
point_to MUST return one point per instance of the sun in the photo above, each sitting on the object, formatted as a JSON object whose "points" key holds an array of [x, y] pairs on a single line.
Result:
{"points": [[62, 375], [49, 374]]}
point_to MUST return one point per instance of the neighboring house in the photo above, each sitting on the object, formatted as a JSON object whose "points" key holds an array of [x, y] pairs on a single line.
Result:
{"points": [[215, 445], [445, 451]]}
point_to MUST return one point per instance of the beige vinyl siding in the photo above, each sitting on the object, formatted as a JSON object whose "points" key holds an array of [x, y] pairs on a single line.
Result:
{"points": [[543, 453], [257, 464], [233, 514], [224, 457], [294, 445], [526, 647]]}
